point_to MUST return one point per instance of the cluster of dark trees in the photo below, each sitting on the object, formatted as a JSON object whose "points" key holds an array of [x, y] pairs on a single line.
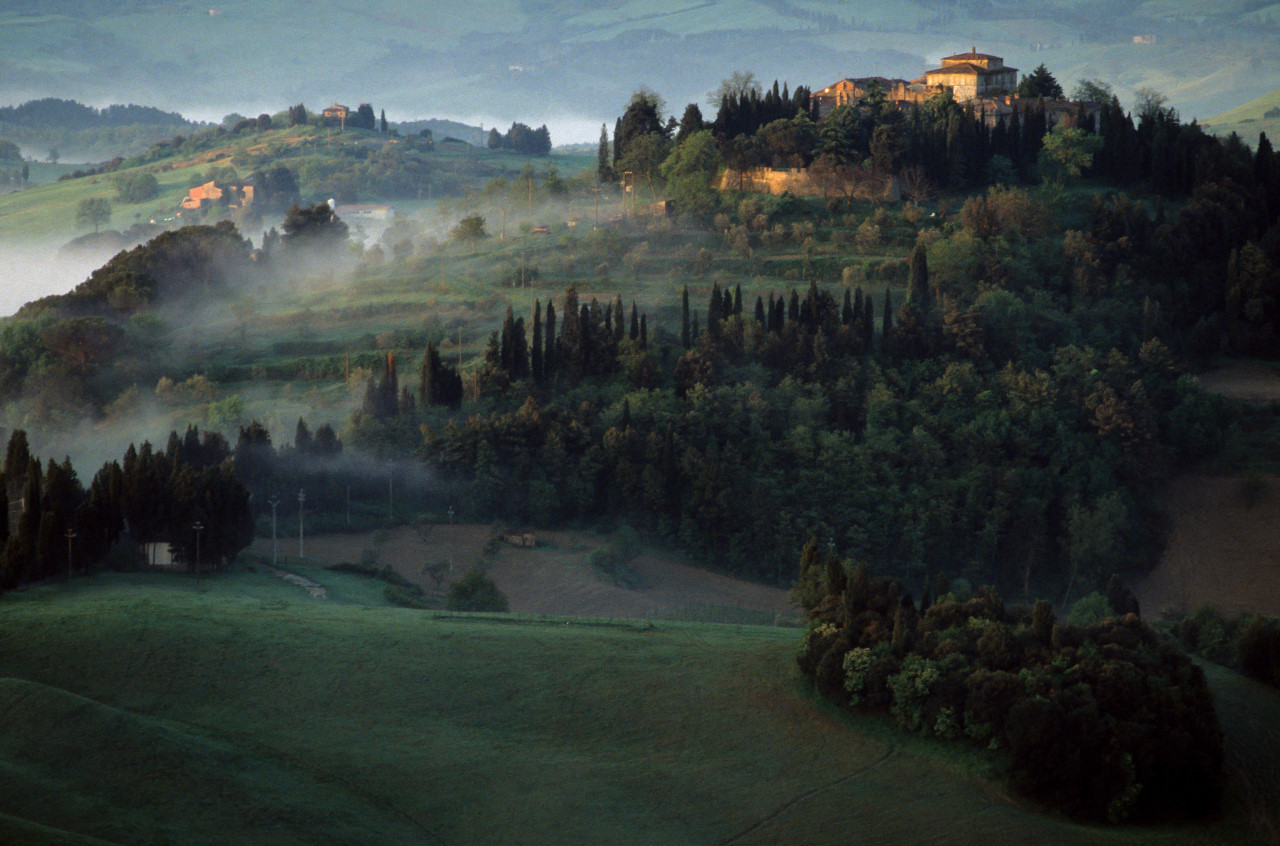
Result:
{"points": [[52, 525], [927, 446], [522, 139], [1106, 722], [586, 342]]}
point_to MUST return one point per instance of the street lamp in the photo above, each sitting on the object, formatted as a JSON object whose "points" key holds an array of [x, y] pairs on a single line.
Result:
{"points": [[275, 500], [199, 527], [302, 499], [71, 533]]}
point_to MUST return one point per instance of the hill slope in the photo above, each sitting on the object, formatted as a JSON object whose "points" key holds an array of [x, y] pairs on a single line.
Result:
{"points": [[166, 713], [1250, 119]]}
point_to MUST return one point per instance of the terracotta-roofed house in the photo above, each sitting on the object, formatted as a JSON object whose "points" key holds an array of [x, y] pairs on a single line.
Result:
{"points": [[973, 74]]}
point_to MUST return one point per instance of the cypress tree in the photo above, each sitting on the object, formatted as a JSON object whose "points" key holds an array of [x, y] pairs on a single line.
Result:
{"points": [[868, 325], [686, 338], [737, 299], [619, 324], [635, 322], [536, 351], [644, 331], [550, 361], [793, 308], [886, 327], [17, 456], [846, 311], [428, 378], [715, 310], [760, 316], [918, 294]]}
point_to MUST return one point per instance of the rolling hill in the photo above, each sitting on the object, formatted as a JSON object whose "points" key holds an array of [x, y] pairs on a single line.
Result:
{"points": [[246, 712], [1256, 116]]}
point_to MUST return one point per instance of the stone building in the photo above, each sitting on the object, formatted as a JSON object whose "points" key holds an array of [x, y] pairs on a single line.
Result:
{"points": [[848, 92], [972, 75]]}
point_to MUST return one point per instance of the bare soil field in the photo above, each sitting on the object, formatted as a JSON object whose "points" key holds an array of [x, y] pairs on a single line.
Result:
{"points": [[1220, 551], [552, 578], [1244, 380]]}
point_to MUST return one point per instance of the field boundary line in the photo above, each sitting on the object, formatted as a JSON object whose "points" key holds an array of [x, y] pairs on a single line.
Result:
{"points": [[795, 800]]}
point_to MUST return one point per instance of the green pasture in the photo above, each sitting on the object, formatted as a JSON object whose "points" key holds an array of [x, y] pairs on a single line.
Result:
{"points": [[141, 709], [49, 211]]}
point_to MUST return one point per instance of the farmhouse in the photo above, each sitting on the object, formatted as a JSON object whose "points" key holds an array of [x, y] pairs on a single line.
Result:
{"points": [[232, 195], [337, 113]]}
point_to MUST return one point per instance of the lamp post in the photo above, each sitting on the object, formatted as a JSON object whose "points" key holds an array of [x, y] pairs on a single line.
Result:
{"points": [[302, 499], [71, 533], [275, 500], [199, 527]]}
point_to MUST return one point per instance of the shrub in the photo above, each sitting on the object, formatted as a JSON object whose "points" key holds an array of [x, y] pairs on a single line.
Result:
{"points": [[475, 592]]}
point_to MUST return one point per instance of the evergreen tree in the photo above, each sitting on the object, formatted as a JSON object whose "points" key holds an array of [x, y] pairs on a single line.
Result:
{"points": [[635, 322], [886, 326], [536, 369], [550, 361], [686, 338], [383, 125], [604, 171]]}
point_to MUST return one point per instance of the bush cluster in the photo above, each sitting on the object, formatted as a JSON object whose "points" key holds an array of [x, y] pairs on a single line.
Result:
{"points": [[1104, 722]]}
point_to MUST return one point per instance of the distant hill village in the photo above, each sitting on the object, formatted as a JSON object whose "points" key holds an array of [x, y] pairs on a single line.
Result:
{"points": [[978, 80]]}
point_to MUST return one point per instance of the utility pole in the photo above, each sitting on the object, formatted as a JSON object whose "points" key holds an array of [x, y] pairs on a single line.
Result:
{"points": [[199, 527], [71, 533], [275, 548], [302, 499]]}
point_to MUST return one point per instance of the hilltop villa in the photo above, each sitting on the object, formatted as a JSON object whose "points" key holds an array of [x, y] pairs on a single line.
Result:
{"points": [[969, 76], [972, 75], [979, 80]]}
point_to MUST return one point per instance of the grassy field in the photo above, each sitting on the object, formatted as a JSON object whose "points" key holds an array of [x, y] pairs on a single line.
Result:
{"points": [[141, 710]]}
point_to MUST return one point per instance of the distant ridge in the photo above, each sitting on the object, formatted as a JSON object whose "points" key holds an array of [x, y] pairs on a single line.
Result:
{"points": [[55, 113]]}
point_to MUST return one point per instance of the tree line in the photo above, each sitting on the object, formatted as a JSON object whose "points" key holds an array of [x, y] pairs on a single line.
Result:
{"points": [[187, 496]]}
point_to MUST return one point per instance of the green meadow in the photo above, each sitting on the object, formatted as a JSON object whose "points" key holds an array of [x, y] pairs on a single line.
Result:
{"points": [[146, 709]]}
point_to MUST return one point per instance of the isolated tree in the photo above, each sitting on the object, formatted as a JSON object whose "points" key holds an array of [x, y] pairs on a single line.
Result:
{"points": [[1039, 83], [470, 229], [1092, 91], [736, 86], [690, 122], [93, 211], [1065, 152], [383, 122], [690, 172], [604, 172]]}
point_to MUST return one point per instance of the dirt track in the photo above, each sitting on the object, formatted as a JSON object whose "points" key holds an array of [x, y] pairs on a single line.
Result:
{"points": [[552, 578]]}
